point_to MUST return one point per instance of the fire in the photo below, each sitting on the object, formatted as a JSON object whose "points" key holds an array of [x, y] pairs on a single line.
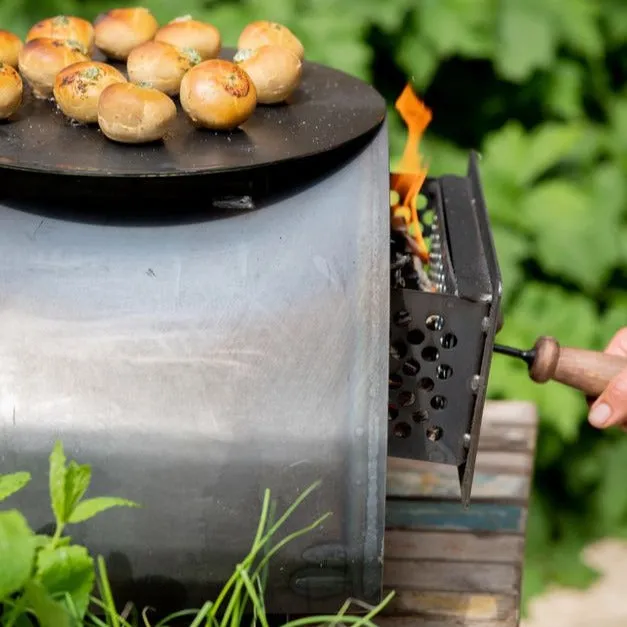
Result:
{"points": [[411, 173]]}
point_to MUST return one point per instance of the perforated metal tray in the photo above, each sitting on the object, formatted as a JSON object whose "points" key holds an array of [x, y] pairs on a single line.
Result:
{"points": [[441, 342]]}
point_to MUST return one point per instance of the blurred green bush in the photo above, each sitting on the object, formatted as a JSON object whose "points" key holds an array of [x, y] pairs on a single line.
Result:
{"points": [[540, 88]]}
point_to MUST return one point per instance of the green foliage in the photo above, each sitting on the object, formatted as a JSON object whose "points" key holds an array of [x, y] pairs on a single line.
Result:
{"points": [[540, 88], [49, 582], [46, 576]]}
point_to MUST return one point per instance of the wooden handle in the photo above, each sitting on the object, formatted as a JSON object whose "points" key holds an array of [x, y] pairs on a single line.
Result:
{"points": [[587, 371]]}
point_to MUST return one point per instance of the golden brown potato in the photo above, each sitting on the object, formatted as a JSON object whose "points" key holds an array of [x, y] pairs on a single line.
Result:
{"points": [[160, 65], [274, 70], [42, 59], [185, 32], [10, 46], [67, 28], [77, 89], [118, 31], [264, 33], [11, 90], [217, 94], [131, 114]]}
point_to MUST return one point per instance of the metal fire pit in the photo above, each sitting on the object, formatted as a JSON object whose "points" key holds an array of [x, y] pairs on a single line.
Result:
{"points": [[206, 318]]}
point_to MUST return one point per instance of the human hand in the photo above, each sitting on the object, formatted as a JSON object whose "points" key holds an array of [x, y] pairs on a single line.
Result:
{"points": [[610, 409]]}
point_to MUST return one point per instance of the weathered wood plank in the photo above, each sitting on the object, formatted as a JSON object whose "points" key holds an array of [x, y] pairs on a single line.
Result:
{"points": [[453, 546], [415, 482], [472, 607], [416, 621], [517, 413], [452, 567], [470, 577], [442, 515]]}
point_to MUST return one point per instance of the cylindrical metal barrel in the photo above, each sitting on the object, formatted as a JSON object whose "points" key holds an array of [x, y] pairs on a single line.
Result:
{"points": [[196, 364]]}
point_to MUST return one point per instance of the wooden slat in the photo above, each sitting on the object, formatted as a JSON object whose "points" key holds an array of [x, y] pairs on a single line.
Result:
{"points": [[435, 545], [410, 481], [481, 577], [414, 621], [518, 413], [452, 567], [452, 516], [471, 607]]}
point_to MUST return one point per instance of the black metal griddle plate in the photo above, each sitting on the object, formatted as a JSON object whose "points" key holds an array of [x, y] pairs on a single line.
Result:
{"points": [[329, 110]]}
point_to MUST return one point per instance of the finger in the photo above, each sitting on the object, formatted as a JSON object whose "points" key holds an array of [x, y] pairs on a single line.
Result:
{"points": [[618, 344], [611, 407]]}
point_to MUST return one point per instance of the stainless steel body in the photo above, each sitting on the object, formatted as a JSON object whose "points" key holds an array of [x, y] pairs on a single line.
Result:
{"points": [[194, 365]]}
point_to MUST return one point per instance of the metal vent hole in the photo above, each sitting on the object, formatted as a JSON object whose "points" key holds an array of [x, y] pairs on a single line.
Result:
{"points": [[435, 322], [420, 416], [402, 430], [434, 433], [444, 372], [398, 350], [411, 368], [416, 337], [402, 318], [449, 341], [426, 384], [406, 398], [395, 382], [438, 402], [430, 353], [392, 413]]}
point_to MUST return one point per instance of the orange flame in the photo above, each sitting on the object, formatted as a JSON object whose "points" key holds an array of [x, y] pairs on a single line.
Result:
{"points": [[412, 172]]}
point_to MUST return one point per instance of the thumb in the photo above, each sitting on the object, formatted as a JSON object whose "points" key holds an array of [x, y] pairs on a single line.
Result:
{"points": [[611, 407]]}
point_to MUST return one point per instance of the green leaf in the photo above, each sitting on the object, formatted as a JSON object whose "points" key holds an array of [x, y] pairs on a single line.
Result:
{"points": [[527, 40], [565, 90], [10, 484], [578, 27], [569, 569], [417, 59], [566, 223], [547, 146], [17, 552], [611, 496], [457, 26], [67, 571], [511, 249], [58, 474], [49, 612], [77, 481], [443, 157], [91, 507], [614, 19], [43, 541], [614, 318]]}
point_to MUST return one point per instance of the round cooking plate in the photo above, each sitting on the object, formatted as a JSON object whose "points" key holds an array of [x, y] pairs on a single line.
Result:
{"points": [[329, 110]]}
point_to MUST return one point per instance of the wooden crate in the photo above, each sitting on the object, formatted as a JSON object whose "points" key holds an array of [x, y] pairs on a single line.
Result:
{"points": [[452, 567]]}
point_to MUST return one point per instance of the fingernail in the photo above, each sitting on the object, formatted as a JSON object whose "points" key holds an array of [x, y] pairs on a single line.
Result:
{"points": [[600, 415]]}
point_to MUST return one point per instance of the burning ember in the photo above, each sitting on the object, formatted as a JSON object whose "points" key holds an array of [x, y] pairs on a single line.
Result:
{"points": [[407, 181]]}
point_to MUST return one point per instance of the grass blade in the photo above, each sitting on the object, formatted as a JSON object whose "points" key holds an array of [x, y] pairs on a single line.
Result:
{"points": [[122, 622], [253, 596], [182, 614], [293, 536], [200, 617], [113, 619], [290, 510]]}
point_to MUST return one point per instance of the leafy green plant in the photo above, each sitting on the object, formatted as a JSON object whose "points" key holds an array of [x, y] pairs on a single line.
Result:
{"points": [[46, 580], [48, 577]]}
